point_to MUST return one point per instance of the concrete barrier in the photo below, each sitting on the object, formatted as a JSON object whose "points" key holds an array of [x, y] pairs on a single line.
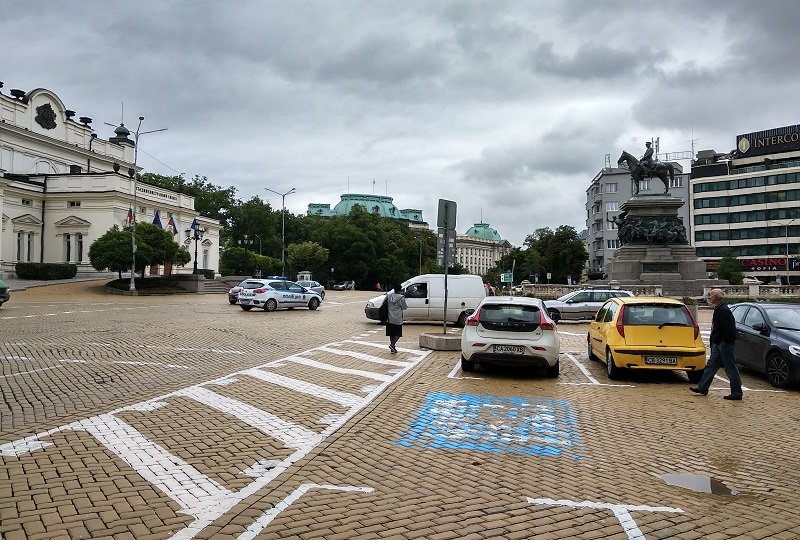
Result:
{"points": [[440, 342]]}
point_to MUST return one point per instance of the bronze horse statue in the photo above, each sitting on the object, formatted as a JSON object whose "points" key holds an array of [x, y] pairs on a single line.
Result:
{"points": [[638, 173]]}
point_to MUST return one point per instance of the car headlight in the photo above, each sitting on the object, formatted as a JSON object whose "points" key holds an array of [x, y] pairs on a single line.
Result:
{"points": [[370, 304], [794, 349]]}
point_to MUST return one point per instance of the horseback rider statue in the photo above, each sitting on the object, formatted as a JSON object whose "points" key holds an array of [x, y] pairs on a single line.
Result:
{"points": [[646, 161], [647, 167]]}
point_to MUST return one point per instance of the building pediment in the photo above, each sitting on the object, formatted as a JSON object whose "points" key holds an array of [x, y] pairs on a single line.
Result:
{"points": [[72, 221], [25, 219]]}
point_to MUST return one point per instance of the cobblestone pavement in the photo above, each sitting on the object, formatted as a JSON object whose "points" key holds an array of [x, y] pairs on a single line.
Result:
{"points": [[185, 417]]}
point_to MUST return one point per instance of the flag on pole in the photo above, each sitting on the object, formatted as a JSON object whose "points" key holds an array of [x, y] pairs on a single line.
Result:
{"points": [[194, 225], [171, 226], [129, 219], [157, 221]]}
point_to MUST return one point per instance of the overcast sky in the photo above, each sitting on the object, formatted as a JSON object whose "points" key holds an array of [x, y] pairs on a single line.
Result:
{"points": [[507, 108]]}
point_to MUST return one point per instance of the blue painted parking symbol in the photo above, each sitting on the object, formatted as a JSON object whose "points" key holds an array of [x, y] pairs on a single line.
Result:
{"points": [[542, 427]]}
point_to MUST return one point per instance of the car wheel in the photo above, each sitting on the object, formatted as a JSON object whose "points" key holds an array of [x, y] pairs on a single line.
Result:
{"points": [[271, 305], [695, 376], [554, 314], [551, 371], [313, 304], [613, 371], [322, 295], [247, 308], [231, 300], [592, 357], [467, 365], [462, 320], [779, 371]]}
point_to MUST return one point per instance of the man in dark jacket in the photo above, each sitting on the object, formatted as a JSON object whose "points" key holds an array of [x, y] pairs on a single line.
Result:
{"points": [[723, 339]]}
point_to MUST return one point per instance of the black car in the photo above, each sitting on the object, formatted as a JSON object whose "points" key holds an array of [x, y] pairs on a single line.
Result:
{"points": [[768, 340]]}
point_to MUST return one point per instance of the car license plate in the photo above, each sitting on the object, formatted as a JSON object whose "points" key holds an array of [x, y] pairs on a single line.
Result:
{"points": [[509, 349], [661, 360]]}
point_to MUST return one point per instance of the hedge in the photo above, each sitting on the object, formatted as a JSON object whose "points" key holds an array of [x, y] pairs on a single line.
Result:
{"points": [[28, 270]]}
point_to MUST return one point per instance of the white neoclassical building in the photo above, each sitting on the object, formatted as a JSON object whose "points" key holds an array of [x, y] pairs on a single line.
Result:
{"points": [[480, 248], [62, 187]]}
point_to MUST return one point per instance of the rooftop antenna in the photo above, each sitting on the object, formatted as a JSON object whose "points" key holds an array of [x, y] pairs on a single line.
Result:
{"points": [[348, 185]]}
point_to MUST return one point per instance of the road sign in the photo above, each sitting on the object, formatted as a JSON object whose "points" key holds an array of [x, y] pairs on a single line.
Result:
{"points": [[508, 277], [447, 214], [451, 242]]}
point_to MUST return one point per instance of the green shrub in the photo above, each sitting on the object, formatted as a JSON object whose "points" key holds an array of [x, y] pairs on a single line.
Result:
{"points": [[28, 270]]}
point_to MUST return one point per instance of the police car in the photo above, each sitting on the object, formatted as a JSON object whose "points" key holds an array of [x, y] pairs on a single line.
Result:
{"points": [[272, 294]]}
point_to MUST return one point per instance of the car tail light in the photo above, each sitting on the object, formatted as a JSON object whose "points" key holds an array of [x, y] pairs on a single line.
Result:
{"points": [[545, 323], [620, 319], [473, 319], [694, 323], [260, 291]]}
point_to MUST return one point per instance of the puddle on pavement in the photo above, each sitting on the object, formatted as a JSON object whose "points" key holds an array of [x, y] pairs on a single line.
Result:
{"points": [[698, 482]]}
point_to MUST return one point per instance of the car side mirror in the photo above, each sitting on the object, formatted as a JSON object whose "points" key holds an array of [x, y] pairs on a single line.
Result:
{"points": [[761, 328]]}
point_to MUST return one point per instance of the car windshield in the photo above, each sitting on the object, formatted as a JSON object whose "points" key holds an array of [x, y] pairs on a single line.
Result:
{"points": [[566, 296], [656, 315], [509, 313], [786, 317], [251, 284]]}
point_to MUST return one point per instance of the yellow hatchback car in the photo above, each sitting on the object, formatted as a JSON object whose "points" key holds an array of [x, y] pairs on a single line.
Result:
{"points": [[646, 333]]}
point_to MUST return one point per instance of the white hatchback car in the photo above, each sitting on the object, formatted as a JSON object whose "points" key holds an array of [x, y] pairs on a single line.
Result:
{"points": [[510, 330], [275, 294]]}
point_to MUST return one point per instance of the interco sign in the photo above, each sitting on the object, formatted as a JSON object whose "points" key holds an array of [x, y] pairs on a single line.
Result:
{"points": [[771, 141]]}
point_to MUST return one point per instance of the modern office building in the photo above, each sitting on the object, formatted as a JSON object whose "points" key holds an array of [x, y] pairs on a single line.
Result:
{"points": [[62, 187], [606, 193], [747, 202], [480, 248]]}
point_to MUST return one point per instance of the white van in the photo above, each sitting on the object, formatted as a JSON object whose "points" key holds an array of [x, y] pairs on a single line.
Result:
{"points": [[425, 298]]}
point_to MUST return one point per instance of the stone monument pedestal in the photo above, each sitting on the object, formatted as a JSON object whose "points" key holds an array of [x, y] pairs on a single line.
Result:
{"points": [[641, 261]]}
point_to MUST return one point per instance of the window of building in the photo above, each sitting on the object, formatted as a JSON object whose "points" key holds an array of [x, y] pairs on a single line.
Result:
{"points": [[67, 247], [612, 187], [143, 210], [612, 244], [79, 248], [612, 206], [27, 202], [676, 182], [30, 247], [611, 225], [73, 204], [644, 184]]}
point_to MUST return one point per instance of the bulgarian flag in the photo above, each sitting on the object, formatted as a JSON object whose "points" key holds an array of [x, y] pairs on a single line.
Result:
{"points": [[171, 226], [129, 219]]}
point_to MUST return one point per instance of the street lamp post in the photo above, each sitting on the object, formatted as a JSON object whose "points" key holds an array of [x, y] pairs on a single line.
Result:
{"points": [[136, 136], [787, 250], [195, 233], [283, 226]]}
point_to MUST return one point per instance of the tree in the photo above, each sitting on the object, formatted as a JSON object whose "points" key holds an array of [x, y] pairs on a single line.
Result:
{"points": [[236, 261], [307, 256], [112, 251], [729, 268]]}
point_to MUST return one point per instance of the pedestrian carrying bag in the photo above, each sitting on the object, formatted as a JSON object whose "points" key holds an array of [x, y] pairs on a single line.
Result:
{"points": [[383, 311]]}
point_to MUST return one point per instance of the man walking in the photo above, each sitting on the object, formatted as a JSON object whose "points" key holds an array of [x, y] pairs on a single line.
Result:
{"points": [[723, 339]]}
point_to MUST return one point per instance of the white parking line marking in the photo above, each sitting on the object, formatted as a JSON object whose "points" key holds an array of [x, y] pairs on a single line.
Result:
{"points": [[291, 434], [28, 372], [720, 377], [582, 368], [345, 371], [379, 346], [452, 374], [362, 356], [141, 363], [266, 518], [342, 398], [621, 511], [170, 473]]}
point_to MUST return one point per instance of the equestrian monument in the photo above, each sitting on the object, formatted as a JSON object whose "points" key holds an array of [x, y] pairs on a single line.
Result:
{"points": [[654, 248]]}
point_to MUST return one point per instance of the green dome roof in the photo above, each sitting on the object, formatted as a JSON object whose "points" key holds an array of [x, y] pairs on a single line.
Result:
{"points": [[371, 203], [484, 232]]}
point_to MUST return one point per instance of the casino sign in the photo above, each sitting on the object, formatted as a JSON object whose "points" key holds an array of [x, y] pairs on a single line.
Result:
{"points": [[763, 264], [771, 141]]}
